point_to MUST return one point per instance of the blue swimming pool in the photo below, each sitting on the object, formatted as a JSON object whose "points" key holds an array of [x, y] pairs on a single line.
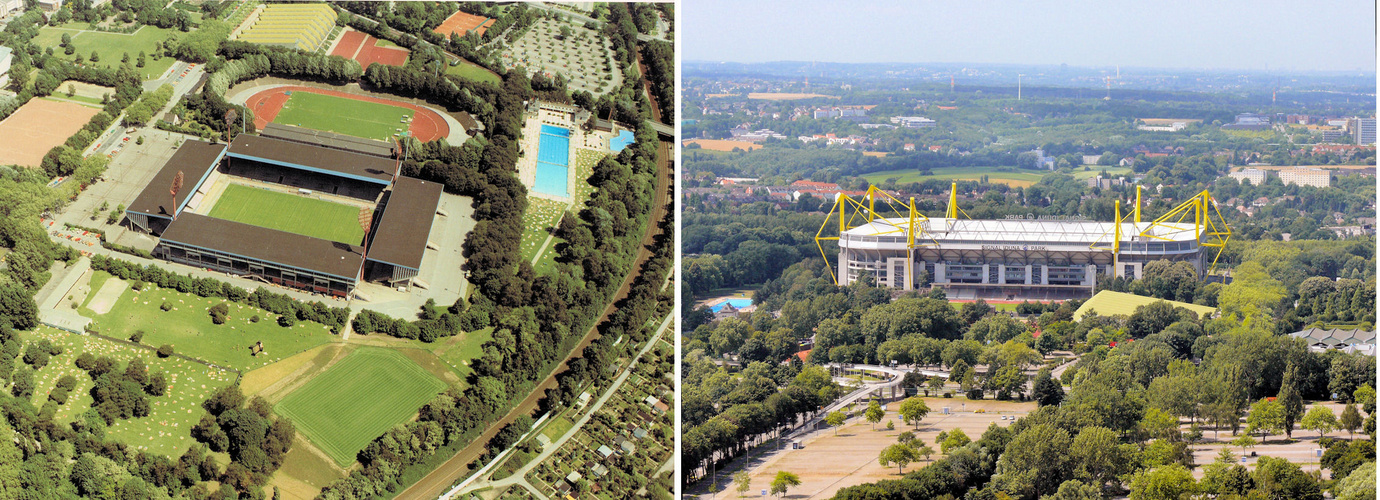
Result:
{"points": [[553, 160], [622, 140], [737, 303]]}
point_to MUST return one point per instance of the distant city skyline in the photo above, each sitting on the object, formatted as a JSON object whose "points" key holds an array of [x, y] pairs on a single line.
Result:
{"points": [[1229, 35]]}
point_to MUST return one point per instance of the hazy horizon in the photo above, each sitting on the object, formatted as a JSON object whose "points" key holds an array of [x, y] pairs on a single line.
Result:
{"points": [[1233, 35]]}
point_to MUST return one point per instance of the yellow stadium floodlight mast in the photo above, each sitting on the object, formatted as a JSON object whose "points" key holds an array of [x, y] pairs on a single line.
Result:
{"points": [[866, 213], [1137, 203], [1203, 206]]}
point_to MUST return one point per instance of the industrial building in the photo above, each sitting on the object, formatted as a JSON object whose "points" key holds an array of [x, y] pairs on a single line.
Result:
{"points": [[1015, 258]]}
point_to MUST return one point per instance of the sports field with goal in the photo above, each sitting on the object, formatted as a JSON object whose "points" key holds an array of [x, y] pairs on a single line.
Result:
{"points": [[359, 399], [290, 212], [369, 120]]}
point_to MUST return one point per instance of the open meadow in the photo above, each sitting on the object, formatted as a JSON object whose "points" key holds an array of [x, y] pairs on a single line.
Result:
{"points": [[112, 46], [188, 328]]}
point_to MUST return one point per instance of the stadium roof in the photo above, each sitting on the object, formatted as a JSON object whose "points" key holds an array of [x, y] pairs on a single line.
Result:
{"points": [[313, 158], [1110, 303], [195, 159], [1335, 338], [329, 140], [1082, 232], [271, 245], [406, 223]]}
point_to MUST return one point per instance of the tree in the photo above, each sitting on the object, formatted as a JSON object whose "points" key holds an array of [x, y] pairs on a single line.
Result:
{"points": [[952, 440], [898, 454], [1267, 417], [1365, 396], [1351, 419], [835, 419], [1098, 456], [874, 413], [1035, 462], [1319, 418], [95, 56], [742, 481], [913, 410], [1244, 441], [11, 463], [1046, 391], [784, 480], [1169, 482]]}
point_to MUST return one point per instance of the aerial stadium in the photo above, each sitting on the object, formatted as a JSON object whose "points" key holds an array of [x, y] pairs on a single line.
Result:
{"points": [[1024, 257], [312, 211]]}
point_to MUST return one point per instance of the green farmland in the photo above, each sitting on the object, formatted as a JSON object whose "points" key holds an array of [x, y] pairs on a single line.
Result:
{"points": [[369, 120], [359, 399], [291, 213]]}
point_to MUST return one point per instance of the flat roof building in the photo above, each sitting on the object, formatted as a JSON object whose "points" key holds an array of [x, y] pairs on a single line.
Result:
{"points": [[1315, 177], [1255, 175]]}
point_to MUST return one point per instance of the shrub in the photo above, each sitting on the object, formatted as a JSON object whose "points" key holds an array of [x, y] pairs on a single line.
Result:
{"points": [[287, 320], [254, 319], [166, 306], [219, 313], [137, 337], [165, 350]]}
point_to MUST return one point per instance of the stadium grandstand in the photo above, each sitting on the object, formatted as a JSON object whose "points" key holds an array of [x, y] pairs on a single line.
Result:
{"points": [[299, 25], [396, 211], [1023, 257]]}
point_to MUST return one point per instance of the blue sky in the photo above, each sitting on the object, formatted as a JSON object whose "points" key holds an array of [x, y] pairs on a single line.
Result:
{"points": [[1253, 35]]}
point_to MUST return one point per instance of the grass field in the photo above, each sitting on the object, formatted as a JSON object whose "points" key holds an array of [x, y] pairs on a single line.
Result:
{"points": [[291, 213], [723, 145], [369, 120], [541, 214], [472, 71], [1013, 179], [166, 430], [111, 46], [188, 327], [357, 400]]}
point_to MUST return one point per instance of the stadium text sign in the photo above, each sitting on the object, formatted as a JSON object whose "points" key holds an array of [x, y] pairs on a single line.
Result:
{"points": [[1013, 247], [1045, 217]]}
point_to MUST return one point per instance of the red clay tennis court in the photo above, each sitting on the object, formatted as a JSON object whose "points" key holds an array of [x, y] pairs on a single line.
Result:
{"points": [[462, 22], [427, 125], [364, 48]]}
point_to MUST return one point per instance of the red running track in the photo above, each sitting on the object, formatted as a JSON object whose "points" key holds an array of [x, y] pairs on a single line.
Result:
{"points": [[427, 125]]}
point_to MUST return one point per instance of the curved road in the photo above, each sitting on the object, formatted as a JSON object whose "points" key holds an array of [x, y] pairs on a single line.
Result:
{"points": [[440, 480]]}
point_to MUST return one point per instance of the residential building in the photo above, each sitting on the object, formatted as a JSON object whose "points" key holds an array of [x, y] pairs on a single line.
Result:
{"points": [[1362, 130], [8, 6], [1315, 177], [6, 56], [1255, 175]]}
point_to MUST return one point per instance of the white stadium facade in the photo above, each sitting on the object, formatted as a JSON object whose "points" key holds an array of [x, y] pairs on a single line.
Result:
{"points": [[1020, 257]]}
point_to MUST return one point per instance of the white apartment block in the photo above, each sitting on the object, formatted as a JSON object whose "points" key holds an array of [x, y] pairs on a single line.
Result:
{"points": [[1315, 177], [1255, 175]]}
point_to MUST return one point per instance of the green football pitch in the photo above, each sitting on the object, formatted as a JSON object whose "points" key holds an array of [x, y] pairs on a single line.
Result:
{"points": [[369, 120], [291, 213], [359, 399]]}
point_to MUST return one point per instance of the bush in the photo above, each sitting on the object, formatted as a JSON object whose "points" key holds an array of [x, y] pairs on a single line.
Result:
{"points": [[137, 337], [287, 320], [166, 306], [219, 313], [165, 350]]}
